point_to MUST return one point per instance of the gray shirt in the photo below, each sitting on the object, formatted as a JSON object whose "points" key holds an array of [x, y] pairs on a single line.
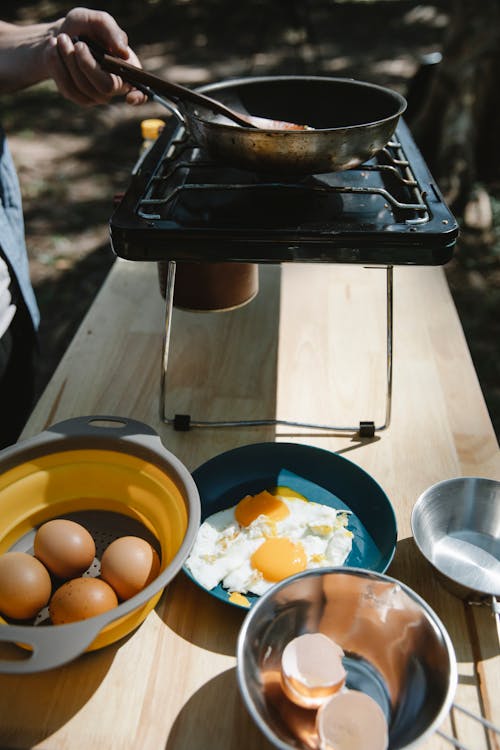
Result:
{"points": [[7, 308], [12, 242]]}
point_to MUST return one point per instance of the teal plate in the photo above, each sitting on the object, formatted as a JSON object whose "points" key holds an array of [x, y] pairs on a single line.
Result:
{"points": [[319, 475]]}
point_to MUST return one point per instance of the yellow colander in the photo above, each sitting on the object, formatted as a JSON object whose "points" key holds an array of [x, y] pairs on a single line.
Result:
{"points": [[113, 475]]}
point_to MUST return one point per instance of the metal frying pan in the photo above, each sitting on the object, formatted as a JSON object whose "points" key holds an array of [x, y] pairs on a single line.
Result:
{"points": [[350, 120], [456, 526]]}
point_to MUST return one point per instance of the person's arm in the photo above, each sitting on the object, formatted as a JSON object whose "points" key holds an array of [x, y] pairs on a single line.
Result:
{"points": [[33, 53]]}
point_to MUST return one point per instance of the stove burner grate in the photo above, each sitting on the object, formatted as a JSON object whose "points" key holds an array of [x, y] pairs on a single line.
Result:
{"points": [[181, 206], [182, 158]]}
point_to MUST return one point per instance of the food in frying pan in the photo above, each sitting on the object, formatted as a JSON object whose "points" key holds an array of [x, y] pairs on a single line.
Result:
{"points": [[129, 564], [65, 547], [80, 599], [25, 585], [265, 538]]}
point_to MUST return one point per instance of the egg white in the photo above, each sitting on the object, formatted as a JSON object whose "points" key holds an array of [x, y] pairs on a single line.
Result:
{"points": [[223, 548]]}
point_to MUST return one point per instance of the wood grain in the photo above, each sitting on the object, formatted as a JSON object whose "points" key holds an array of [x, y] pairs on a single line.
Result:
{"points": [[309, 347]]}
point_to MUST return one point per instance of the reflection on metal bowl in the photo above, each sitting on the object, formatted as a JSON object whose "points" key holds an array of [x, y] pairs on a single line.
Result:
{"points": [[396, 650]]}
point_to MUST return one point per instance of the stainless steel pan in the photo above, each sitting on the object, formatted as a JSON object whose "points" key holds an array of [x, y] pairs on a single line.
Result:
{"points": [[350, 120], [456, 526]]}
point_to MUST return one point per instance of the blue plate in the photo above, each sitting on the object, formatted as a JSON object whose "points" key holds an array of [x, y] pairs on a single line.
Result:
{"points": [[319, 475]]}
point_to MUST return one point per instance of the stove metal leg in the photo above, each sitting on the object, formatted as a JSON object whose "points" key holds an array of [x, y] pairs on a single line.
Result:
{"points": [[365, 428], [169, 304], [389, 345]]}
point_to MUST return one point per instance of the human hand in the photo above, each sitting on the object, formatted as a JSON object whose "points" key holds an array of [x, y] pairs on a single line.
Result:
{"points": [[77, 74]]}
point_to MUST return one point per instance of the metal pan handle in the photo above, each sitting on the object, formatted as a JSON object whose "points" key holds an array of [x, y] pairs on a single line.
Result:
{"points": [[495, 608], [141, 80], [485, 723], [488, 601], [173, 91], [172, 108]]}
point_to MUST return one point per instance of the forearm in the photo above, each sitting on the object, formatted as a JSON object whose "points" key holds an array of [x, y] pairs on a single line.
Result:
{"points": [[23, 53], [36, 52]]}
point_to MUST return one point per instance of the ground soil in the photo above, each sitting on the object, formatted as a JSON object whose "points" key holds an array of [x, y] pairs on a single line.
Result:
{"points": [[72, 162]]}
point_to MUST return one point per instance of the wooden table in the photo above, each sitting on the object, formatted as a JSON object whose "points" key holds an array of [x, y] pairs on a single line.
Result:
{"points": [[310, 347]]}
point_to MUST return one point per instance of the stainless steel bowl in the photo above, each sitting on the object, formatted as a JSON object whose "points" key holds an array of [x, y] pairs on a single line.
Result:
{"points": [[456, 526], [396, 650]]}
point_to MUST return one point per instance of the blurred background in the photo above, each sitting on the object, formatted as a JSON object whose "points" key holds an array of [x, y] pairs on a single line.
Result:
{"points": [[443, 55]]}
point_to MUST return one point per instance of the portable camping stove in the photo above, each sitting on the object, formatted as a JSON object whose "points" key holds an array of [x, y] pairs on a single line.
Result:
{"points": [[180, 206]]}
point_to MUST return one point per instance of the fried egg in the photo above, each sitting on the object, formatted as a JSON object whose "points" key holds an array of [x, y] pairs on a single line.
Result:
{"points": [[265, 538]]}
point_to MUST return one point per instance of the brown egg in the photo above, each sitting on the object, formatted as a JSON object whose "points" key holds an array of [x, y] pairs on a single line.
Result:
{"points": [[311, 669], [80, 599], [352, 719], [65, 547], [129, 564], [25, 585]]}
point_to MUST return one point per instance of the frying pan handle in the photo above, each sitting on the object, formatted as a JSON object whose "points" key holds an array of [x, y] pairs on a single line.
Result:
{"points": [[133, 74], [179, 94], [148, 83], [172, 108], [48, 649]]}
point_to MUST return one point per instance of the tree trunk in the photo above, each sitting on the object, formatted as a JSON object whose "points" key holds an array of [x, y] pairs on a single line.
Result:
{"points": [[457, 124]]}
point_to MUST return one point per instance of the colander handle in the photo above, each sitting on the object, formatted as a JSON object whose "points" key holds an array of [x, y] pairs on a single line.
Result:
{"points": [[50, 647], [103, 425]]}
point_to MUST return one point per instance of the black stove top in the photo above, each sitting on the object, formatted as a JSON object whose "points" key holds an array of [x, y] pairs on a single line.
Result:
{"points": [[180, 206]]}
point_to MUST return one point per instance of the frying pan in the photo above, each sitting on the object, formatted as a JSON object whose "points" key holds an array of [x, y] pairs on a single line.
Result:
{"points": [[351, 120]]}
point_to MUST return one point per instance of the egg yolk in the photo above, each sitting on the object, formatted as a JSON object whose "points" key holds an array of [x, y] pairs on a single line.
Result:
{"points": [[236, 598], [278, 558], [253, 506]]}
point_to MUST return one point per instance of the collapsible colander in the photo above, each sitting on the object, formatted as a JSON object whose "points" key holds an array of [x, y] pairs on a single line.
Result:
{"points": [[114, 476]]}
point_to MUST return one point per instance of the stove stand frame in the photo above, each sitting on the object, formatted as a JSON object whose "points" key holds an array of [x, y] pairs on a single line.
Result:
{"points": [[184, 422]]}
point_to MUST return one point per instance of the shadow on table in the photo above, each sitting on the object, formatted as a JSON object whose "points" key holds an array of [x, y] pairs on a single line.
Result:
{"points": [[34, 706], [215, 716], [200, 618]]}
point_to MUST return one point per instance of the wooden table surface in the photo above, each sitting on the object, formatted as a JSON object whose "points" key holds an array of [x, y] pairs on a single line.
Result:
{"points": [[310, 347]]}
